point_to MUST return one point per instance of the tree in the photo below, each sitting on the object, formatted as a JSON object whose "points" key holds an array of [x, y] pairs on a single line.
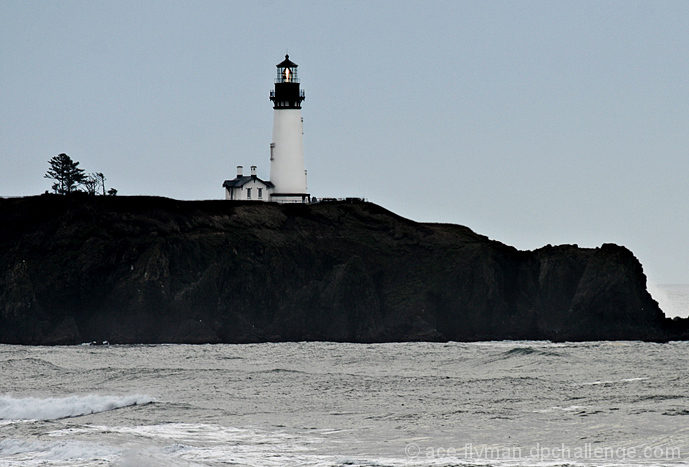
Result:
{"points": [[66, 173], [112, 192], [94, 183], [90, 184]]}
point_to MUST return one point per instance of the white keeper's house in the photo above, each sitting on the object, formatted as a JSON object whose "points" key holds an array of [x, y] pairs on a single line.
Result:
{"points": [[287, 174]]}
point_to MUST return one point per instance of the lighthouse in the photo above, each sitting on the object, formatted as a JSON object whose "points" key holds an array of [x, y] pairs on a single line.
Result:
{"points": [[287, 172], [287, 182]]}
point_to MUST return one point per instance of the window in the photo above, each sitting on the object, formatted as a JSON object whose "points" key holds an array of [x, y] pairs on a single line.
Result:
{"points": [[260, 193], [248, 193], [272, 147]]}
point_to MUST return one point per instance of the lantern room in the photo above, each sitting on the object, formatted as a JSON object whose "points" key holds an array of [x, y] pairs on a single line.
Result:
{"points": [[287, 94], [287, 71]]}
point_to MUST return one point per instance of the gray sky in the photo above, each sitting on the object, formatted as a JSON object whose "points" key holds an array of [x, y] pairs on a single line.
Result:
{"points": [[530, 122]]}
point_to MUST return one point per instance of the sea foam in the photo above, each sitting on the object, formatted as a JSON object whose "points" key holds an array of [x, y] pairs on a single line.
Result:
{"points": [[54, 408], [51, 452]]}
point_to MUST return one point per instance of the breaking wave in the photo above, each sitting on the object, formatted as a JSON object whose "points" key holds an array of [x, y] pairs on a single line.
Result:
{"points": [[54, 408]]}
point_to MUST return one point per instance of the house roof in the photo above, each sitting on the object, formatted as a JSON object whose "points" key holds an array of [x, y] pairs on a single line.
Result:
{"points": [[241, 181]]}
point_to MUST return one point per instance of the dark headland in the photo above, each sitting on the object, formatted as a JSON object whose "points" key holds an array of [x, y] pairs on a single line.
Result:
{"points": [[83, 268]]}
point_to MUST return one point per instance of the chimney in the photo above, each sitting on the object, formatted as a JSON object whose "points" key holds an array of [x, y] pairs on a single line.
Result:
{"points": [[239, 170], [253, 170]]}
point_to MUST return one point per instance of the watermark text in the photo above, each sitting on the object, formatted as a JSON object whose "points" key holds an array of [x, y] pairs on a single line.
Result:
{"points": [[562, 452]]}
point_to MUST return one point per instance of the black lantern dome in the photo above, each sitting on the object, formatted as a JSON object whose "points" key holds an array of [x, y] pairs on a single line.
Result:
{"points": [[287, 94]]}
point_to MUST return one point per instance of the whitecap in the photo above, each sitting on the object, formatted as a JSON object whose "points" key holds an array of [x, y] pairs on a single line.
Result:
{"points": [[54, 408], [626, 380]]}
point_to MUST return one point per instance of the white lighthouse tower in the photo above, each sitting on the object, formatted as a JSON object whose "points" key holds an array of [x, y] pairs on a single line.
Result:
{"points": [[287, 171]]}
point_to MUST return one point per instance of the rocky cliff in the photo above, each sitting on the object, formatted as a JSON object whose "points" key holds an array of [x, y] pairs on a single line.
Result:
{"points": [[147, 270]]}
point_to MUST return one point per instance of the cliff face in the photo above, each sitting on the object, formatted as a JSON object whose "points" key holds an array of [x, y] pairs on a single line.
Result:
{"points": [[148, 270]]}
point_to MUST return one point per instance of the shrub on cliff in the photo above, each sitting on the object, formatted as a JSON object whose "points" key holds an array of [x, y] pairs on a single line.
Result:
{"points": [[66, 173]]}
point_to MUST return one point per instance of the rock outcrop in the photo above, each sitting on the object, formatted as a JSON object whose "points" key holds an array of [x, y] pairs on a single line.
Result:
{"points": [[147, 270]]}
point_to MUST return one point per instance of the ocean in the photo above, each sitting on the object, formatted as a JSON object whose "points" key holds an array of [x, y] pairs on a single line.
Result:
{"points": [[517, 403]]}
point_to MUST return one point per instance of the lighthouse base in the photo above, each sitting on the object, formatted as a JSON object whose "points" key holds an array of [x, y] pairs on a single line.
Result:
{"points": [[286, 198]]}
